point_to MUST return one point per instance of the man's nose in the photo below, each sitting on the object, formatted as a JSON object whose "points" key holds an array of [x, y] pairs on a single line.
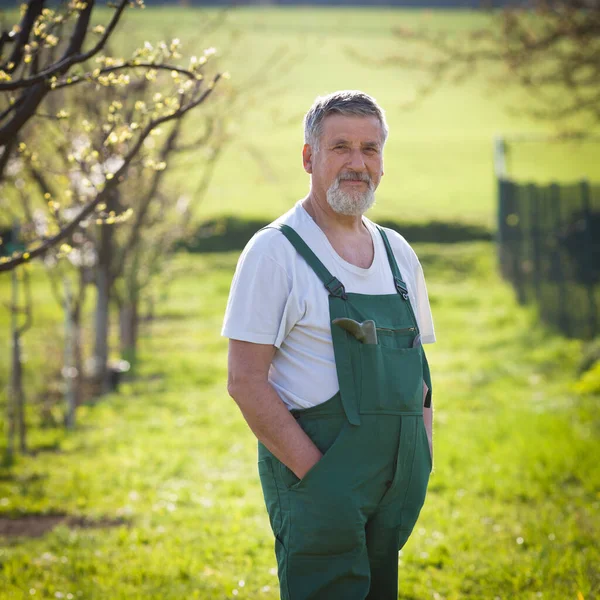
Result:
{"points": [[356, 160]]}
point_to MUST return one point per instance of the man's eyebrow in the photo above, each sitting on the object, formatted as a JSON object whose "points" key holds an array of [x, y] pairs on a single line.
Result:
{"points": [[337, 141]]}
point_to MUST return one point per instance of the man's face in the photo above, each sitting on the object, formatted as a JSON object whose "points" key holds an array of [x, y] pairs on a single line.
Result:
{"points": [[348, 165]]}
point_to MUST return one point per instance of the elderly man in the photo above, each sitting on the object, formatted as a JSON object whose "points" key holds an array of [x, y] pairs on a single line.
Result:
{"points": [[326, 319]]}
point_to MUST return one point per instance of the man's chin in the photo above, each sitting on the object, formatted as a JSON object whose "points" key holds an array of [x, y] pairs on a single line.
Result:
{"points": [[356, 208]]}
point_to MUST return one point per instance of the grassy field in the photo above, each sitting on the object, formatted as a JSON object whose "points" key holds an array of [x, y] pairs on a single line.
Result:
{"points": [[156, 494], [439, 157], [167, 467]]}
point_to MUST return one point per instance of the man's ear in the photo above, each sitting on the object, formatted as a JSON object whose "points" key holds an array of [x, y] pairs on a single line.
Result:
{"points": [[307, 158]]}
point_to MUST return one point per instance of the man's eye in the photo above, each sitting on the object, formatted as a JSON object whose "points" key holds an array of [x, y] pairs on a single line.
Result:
{"points": [[370, 151]]}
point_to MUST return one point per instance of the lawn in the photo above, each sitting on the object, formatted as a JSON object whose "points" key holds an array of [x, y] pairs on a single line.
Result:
{"points": [[166, 469], [156, 494]]}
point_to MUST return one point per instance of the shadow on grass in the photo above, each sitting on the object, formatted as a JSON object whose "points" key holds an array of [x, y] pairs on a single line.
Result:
{"points": [[51, 448], [22, 479], [37, 525], [7, 460], [232, 233], [174, 316]]}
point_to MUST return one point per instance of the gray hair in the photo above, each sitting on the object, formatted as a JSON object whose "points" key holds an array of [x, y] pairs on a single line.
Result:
{"points": [[347, 102]]}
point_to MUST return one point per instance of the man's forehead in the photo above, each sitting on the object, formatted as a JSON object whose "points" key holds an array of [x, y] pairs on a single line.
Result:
{"points": [[367, 128]]}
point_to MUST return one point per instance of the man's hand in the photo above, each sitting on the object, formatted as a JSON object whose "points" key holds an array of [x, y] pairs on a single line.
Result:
{"points": [[263, 409]]}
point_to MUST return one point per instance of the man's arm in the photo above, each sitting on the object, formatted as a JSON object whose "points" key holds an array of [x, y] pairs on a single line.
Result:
{"points": [[263, 409]]}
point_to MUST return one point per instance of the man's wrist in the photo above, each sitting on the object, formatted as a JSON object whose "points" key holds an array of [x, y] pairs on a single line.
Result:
{"points": [[308, 463]]}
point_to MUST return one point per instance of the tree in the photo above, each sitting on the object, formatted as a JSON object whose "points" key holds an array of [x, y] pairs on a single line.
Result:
{"points": [[16, 398], [45, 55], [550, 48], [128, 238], [63, 161]]}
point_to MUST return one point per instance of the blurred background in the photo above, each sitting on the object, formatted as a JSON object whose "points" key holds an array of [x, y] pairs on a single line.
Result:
{"points": [[141, 147]]}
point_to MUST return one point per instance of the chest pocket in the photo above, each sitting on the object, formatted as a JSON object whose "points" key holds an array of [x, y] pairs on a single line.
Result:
{"points": [[391, 379]]}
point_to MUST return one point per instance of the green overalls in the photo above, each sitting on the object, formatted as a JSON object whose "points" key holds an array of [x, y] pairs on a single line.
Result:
{"points": [[338, 530]]}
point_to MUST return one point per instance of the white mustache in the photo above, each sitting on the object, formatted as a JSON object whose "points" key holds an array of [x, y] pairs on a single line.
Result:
{"points": [[354, 177]]}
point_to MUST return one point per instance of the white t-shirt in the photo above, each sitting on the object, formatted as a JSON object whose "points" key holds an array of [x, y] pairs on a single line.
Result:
{"points": [[276, 298]]}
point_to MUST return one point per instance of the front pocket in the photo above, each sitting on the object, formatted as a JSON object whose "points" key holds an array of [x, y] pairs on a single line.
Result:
{"points": [[396, 338], [326, 433], [391, 379]]}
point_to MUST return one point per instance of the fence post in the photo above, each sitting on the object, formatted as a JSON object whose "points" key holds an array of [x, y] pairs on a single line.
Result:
{"points": [[547, 247], [500, 157], [503, 191], [589, 285], [564, 313], [534, 228]]}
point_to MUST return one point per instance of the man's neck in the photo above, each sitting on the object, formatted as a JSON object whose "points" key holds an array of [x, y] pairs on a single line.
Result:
{"points": [[348, 235]]}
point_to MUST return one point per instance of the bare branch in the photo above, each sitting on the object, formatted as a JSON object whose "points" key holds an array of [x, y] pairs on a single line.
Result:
{"points": [[26, 108], [79, 33], [34, 10], [58, 296], [142, 210], [110, 184], [73, 55], [131, 64], [551, 49], [28, 305], [6, 151]]}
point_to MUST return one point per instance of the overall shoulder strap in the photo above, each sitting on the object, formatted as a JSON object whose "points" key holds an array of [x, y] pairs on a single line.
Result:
{"points": [[334, 286], [398, 281]]}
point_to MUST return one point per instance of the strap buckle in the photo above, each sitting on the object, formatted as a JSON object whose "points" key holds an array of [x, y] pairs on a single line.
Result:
{"points": [[336, 288], [401, 288]]}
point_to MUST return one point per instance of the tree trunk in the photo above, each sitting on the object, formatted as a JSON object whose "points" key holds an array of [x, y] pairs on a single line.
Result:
{"points": [[78, 356], [69, 369], [103, 288], [10, 404], [12, 419], [129, 324], [130, 307], [19, 394], [101, 326], [15, 417]]}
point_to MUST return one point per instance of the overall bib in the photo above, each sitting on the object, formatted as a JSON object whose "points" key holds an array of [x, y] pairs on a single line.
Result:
{"points": [[338, 530]]}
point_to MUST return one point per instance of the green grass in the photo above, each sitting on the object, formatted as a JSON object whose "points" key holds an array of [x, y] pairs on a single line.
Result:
{"points": [[439, 157], [513, 505]]}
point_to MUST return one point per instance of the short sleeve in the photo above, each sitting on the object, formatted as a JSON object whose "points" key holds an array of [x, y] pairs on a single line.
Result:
{"points": [[258, 300], [424, 317]]}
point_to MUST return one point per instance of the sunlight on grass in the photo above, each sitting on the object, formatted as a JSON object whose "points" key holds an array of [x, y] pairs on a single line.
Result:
{"points": [[513, 503], [439, 156], [164, 472]]}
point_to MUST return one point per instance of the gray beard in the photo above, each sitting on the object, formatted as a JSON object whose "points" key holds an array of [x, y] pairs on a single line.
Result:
{"points": [[350, 204]]}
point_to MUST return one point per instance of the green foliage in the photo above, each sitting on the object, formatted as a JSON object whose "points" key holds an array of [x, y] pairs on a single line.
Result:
{"points": [[512, 510], [589, 383]]}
